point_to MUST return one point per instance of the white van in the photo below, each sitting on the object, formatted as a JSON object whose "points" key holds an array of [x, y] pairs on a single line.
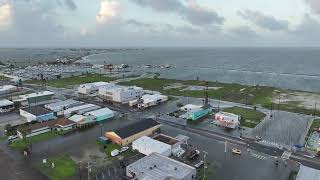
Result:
{"points": [[115, 152]]}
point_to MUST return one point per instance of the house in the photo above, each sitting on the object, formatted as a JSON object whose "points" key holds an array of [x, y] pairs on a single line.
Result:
{"points": [[33, 99], [6, 105], [60, 124], [37, 113], [59, 107], [146, 145], [121, 94], [148, 100], [227, 120], [131, 132], [158, 167], [194, 113], [81, 120], [101, 114], [7, 89], [91, 88], [80, 109], [307, 173]]}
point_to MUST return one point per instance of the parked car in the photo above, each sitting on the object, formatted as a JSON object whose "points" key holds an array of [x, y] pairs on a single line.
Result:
{"points": [[194, 154], [124, 149], [258, 138], [199, 164], [236, 151], [13, 137], [115, 152]]}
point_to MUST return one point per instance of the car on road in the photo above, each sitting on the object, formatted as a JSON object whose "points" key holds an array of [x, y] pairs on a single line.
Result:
{"points": [[123, 149], [199, 164], [115, 152], [13, 137], [258, 138], [236, 151]]}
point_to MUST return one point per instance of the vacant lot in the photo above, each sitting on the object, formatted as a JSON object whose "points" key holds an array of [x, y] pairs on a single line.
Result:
{"points": [[75, 80], [252, 95], [64, 168]]}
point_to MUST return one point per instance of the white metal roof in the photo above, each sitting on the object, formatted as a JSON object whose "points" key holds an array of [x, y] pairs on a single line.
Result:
{"points": [[307, 173], [76, 118], [226, 114], [5, 102], [99, 112], [150, 145], [60, 104], [77, 108], [160, 167], [37, 94]]}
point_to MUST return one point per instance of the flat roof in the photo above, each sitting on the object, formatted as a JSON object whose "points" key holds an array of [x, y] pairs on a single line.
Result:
{"points": [[160, 167], [62, 104], [5, 102], [307, 173], [151, 144], [100, 112], [7, 87], [37, 110], [78, 108], [136, 127], [165, 139], [231, 115]]}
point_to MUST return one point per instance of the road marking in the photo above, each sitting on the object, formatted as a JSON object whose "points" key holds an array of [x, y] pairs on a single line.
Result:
{"points": [[258, 156], [286, 155], [108, 172]]}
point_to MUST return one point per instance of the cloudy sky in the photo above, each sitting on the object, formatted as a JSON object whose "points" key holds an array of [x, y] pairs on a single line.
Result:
{"points": [[105, 23]]}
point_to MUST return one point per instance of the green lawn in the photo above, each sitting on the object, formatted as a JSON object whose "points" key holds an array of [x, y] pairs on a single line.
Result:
{"points": [[64, 168], [3, 78], [23, 144], [249, 117], [315, 124], [75, 80]]}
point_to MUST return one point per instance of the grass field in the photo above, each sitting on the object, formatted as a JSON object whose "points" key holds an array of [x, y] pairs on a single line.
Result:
{"points": [[3, 78], [64, 168], [249, 117], [315, 124], [75, 80], [250, 95], [23, 144]]}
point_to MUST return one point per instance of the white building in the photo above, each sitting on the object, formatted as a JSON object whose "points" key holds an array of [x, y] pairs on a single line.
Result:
{"points": [[91, 88], [6, 89], [307, 173], [158, 167], [146, 145], [37, 98], [101, 114], [190, 107], [79, 109], [227, 120], [60, 106], [121, 94], [149, 100], [6, 105]]}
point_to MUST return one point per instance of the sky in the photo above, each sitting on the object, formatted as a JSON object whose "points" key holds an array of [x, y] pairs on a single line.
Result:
{"points": [[165, 23]]}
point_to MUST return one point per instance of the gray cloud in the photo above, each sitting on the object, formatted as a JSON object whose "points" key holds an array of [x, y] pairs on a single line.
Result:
{"points": [[190, 11], [243, 32], [134, 22], [264, 21], [70, 4], [308, 29], [314, 5]]}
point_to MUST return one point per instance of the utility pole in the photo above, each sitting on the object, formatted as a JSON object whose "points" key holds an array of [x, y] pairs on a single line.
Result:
{"points": [[89, 169], [315, 109], [205, 164], [79, 168]]}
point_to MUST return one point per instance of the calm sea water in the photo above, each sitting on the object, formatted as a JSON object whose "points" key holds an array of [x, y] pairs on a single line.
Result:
{"points": [[293, 68]]}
